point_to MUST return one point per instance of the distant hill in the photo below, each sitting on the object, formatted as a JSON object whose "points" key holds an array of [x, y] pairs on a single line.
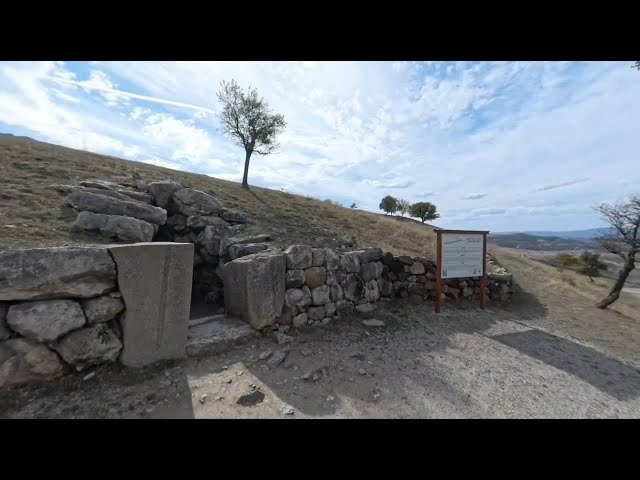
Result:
{"points": [[525, 241], [588, 234]]}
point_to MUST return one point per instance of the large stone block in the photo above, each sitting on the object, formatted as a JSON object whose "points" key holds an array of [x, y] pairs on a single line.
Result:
{"points": [[315, 276], [89, 346], [199, 222], [254, 287], [370, 255], [127, 229], [385, 287], [299, 257], [155, 282], [45, 320], [162, 192], [23, 361], [317, 257], [298, 297], [295, 278], [350, 262], [44, 273], [239, 250], [321, 295], [188, 201], [353, 287], [91, 202], [417, 269], [331, 259], [334, 277], [336, 293], [102, 309], [371, 271]]}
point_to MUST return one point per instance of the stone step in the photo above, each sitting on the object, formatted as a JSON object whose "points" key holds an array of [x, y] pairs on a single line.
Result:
{"points": [[216, 334]]}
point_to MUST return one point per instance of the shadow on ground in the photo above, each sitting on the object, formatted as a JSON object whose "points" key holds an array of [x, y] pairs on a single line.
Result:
{"points": [[603, 372]]}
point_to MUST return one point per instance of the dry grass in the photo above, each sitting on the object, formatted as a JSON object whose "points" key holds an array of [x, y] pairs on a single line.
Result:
{"points": [[36, 217], [521, 265]]}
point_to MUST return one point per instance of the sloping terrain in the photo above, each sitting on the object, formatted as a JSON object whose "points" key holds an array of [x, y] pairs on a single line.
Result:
{"points": [[31, 212]]}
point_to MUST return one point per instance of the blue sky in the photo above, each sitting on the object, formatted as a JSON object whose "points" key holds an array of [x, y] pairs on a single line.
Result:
{"points": [[495, 145]]}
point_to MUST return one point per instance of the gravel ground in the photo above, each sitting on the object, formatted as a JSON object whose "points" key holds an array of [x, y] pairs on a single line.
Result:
{"points": [[463, 363]]}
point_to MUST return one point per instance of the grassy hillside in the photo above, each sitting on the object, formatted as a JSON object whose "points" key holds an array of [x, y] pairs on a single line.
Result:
{"points": [[31, 213]]}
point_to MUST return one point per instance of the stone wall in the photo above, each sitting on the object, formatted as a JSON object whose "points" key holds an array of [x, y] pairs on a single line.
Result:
{"points": [[59, 311], [321, 283], [65, 309]]}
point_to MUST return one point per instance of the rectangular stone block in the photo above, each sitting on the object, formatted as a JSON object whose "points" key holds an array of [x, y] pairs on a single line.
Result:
{"points": [[254, 287], [155, 282]]}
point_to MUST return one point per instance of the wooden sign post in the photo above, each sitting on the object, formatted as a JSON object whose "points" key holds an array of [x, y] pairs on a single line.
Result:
{"points": [[461, 254]]}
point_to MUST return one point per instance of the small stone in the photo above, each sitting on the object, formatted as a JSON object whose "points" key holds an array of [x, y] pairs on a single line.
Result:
{"points": [[362, 371], [264, 355], [373, 323], [224, 367], [281, 338], [305, 352], [306, 376], [287, 410], [228, 381], [330, 398], [239, 373], [203, 398], [89, 376], [277, 358]]}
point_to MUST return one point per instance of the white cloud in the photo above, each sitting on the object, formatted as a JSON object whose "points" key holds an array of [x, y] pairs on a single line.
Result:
{"points": [[497, 133]]}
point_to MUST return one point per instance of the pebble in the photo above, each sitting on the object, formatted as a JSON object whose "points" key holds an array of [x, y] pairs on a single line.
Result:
{"points": [[264, 355], [277, 358], [224, 367], [228, 381], [305, 352], [240, 372], [89, 376], [287, 409], [203, 398], [362, 371], [330, 398]]}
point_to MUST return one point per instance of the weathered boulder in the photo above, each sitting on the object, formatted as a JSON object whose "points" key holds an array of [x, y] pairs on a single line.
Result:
{"points": [[350, 262], [317, 257], [500, 277], [407, 260], [102, 309], [370, 255], [198, 222], [43, 273], [453, 292], [235, 217], [137, 196], [238, 250], [162, 192], [371, 271], [412, 279], [89, 346], [331, 259], [300, 320], [23, 361], [336, 293], [45, 320], [321, 295], [294, 278], [396, 267], [316, 313], [91, 202], [371, 291], [387, 258], [299, 257], [227, 241], [210, 239], [417, 268], [298, 297], [385, 287], [334, 277], [315, 276], [467, 292], [188, 201], [254, 287], [115, 226], [4, 330], [353, 287]]}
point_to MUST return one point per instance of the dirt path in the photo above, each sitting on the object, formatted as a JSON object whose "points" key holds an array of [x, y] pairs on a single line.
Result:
{"points": [[459, 364]]}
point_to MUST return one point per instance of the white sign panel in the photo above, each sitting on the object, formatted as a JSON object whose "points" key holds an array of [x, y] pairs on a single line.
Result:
{"points": [[462, 255]]}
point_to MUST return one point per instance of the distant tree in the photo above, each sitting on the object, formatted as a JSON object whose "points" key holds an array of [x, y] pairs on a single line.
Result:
{"points": [[591, 265], [403, 206], [424, 211], [568, 260], [637, 65], [247, 119], [389, 204], [624, 241], [354, 205]]}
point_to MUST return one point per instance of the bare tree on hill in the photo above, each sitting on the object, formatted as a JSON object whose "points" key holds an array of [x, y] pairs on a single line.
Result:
{"points": [[248, 120], [404, 206], [624, 219]]}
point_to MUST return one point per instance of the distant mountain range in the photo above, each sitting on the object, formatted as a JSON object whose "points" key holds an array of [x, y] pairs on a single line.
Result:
{"points": [[588, 234]]}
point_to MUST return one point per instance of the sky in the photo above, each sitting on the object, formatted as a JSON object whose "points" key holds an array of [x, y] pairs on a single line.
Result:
{"points": [[499, 146]]}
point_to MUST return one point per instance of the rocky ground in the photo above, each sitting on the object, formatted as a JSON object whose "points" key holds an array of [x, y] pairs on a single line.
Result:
{"points": [[515, 362]]}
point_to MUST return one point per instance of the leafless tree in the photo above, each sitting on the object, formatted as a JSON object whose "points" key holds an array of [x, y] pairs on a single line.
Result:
{"points": [[403, 206], [247, 119], [624, 241]]}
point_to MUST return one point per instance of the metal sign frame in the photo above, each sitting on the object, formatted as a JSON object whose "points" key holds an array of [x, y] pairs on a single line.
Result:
{"points": [[483, 277]]}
